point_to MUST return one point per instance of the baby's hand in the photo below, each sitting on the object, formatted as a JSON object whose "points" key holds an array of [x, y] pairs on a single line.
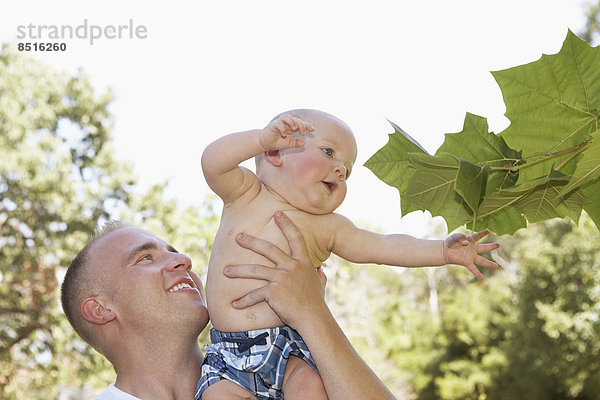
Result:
{"points": [[278, 134], [464, 250]]}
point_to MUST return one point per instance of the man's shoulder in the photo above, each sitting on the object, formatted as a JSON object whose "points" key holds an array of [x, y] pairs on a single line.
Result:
{"points": [[114, 393]]}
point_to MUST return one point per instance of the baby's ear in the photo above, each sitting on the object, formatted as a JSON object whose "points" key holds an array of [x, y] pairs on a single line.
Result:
{"points": [[273, 157]]}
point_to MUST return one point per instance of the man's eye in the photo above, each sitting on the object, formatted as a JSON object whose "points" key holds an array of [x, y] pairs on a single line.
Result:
{"points": [[328, 152], [145, 257]]}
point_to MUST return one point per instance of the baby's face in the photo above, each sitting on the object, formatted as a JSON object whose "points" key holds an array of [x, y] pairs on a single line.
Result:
{"points": [[314, 176]]}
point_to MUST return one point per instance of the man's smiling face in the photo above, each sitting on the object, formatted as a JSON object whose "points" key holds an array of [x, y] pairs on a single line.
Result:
{"points": [[149, 282]]}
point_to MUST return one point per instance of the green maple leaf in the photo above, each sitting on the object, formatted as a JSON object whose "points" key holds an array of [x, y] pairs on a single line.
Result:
{"points": [[537, 200], [433, 187], [391, 163], [503, 221], [587, 168], [553, 104], [592, 191], [476, 144]]}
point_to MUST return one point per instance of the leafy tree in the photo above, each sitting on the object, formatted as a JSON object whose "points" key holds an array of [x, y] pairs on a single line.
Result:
{"points": [[59, 178], [591, 32], [528, 331], [546, 164], [553, 351], [452, 355]]}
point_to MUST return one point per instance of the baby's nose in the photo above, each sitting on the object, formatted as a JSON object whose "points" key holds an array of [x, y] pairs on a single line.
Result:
{"points": [[341, 171]]}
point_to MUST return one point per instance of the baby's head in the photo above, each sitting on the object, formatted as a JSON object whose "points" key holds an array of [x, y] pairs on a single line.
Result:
{"points": [[312, 178]]}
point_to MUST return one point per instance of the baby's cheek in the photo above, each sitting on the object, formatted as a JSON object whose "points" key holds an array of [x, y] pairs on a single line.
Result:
{"points": [[342, 190], [315, 165]]}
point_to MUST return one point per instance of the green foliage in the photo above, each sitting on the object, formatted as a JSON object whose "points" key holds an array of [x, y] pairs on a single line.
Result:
{"points": [[527, 332], [555, 328], [591, 32], [57, 175], [546, 164], [58, 179]]}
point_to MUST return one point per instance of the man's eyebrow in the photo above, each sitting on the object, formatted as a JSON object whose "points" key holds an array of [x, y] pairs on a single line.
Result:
{"points": [[147, 246], [143, 247]]}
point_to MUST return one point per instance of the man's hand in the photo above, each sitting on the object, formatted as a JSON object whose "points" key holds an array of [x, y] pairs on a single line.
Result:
{"points": [[464, 250], [293, 289], [278, 133]]}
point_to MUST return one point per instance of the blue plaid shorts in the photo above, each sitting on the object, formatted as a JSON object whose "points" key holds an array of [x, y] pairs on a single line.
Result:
{"points": [[255, 360]]}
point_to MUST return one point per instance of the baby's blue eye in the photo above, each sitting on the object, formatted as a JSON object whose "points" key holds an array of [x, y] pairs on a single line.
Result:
{"points": [[328, 152]]}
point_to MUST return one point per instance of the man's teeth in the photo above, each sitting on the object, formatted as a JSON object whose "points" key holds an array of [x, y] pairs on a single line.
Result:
{"points": [[179, 287]]}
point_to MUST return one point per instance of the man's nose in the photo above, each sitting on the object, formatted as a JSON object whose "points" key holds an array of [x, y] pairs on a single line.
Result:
{"points": [[179, 261]]}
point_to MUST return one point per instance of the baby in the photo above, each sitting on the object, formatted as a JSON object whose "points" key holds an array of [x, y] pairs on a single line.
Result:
{"points": [[303, 160]]}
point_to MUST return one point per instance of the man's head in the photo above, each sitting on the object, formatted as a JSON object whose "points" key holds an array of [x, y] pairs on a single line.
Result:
{"points": [[312, 178], [127, 280]]}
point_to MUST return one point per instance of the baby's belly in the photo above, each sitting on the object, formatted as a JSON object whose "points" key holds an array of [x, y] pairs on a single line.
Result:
{"points": [[219, 297], [221, 291]]}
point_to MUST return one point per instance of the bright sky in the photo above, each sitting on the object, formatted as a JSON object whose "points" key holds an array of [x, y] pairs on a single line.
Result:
{"points": [[208, 68]]}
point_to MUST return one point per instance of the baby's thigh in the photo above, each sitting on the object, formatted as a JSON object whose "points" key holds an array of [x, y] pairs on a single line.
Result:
{"points": [[226, 390], [301, 381]]}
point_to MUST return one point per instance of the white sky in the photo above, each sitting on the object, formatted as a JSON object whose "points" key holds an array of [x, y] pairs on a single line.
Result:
{"points": [[209, 68]]}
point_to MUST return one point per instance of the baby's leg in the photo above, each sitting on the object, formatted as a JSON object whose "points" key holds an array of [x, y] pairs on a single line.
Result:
{"points": [[226, 390], [301, 381]]}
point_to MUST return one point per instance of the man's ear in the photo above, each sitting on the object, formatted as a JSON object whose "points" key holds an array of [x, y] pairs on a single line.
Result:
{"points": [[273, 157], [97, 310]]}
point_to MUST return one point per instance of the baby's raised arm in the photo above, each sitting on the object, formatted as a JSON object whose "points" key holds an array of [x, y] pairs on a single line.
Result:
{"points": [[362, 246], [221, 159]]}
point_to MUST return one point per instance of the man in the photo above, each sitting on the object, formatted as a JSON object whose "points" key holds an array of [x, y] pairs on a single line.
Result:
{"points": [[136, 300]]}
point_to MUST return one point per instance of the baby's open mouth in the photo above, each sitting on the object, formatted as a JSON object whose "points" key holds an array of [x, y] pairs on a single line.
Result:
{"points": [[330, 185]]}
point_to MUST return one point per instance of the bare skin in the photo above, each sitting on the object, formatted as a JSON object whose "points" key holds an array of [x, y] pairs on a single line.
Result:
{"points": [[304, 168], [345, 375]]}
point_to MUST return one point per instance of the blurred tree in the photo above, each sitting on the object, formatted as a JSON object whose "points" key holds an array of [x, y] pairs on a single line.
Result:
{"points": [[553, 349], [528, 331], [444, 354], [59, 178], [591, 31]]}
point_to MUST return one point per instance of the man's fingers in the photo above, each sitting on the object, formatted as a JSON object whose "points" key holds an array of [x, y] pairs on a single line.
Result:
{"points": [[292, 234], [262, 247], [253, 271], [254, 297]]}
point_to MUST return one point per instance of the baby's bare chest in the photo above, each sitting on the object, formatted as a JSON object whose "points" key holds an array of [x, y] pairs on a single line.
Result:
{"points": [[259, 222]]}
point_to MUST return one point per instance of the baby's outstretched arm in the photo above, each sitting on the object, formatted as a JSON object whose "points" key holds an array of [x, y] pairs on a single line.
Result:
{"points": [[361, 246], [221, 159]]}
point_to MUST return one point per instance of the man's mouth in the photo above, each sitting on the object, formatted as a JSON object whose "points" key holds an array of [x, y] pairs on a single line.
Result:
{"points": [[183, 284]]}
